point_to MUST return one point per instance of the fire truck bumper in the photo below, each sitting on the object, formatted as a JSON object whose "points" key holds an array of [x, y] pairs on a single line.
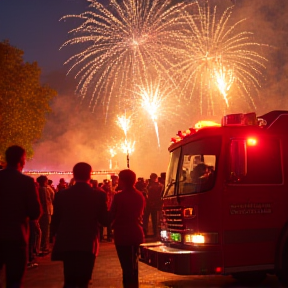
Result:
{"points": [[181, 262]]}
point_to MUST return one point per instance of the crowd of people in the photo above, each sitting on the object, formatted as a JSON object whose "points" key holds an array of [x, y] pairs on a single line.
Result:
{"points": [[70, 218]]}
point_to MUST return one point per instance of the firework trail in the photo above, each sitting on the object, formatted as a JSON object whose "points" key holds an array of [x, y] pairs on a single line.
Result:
{"points": [[224, 80], [127, 146], [124, 123], [113, 153], [121, 42], [151, 101], [155, 97], [215, 55]]}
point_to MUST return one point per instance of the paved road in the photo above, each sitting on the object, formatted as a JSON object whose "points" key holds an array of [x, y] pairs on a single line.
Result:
{"points": [[107, 274]]}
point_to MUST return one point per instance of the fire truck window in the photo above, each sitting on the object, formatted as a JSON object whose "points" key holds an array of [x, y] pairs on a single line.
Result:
{"points": [[171, 174], [197, 167], [263, 163], [199, 174]]}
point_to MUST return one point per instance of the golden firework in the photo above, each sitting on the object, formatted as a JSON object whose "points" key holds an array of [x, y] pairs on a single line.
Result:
{"points": [[216, 55], [122, 41]]}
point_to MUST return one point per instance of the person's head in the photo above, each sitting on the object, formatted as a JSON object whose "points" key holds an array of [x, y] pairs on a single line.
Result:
{"points": [[127, 178], [42, 180], [50, 182], [15, 156], [106, 182], [72, 182], [153, 177], [82, 172], [201, 170], [114, 179]]}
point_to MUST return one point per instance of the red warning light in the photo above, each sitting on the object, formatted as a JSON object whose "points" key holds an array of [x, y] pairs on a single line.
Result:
{"points": [[218, 269], [251, 142]]}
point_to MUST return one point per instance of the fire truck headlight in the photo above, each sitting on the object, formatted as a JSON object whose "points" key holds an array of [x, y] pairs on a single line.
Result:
{"points": [[164, 234], [201, 238]]}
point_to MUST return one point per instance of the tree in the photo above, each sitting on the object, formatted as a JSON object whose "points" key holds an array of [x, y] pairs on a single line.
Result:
{"points": [[24, 101]]}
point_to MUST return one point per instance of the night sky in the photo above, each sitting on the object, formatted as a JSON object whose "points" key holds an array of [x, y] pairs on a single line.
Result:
{"points": [[34, 27]]}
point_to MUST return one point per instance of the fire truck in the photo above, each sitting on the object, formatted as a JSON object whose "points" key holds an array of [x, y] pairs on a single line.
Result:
{"points": [[225, 202]]}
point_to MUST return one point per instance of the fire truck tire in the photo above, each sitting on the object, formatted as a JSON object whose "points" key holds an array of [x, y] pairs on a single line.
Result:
{"points": [[282, 273], [254, 277]]}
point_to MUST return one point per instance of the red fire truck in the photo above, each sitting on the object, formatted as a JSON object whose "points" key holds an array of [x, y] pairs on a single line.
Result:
{"points": [[225, 204]]}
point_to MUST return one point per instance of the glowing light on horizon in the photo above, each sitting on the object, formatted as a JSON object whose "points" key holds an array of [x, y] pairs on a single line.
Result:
{"points": [[217, 54]]}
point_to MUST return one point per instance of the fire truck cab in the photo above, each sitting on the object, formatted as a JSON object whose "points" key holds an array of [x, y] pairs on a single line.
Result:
{"points": [[225, 203]]}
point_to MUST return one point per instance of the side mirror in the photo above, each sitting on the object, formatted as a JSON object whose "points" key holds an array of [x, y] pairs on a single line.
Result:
{"points": [[238, 160]]}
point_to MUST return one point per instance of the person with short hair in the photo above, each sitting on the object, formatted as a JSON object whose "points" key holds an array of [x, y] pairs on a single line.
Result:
{"points": [[19, 203], [61, 185], [126, 215], [78, 211]]}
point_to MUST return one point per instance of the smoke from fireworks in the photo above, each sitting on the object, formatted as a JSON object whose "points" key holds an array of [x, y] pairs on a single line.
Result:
{"points": [[215, 55]]}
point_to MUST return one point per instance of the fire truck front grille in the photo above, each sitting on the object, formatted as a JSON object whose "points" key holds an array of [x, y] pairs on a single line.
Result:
{"points": [[172, 217]]}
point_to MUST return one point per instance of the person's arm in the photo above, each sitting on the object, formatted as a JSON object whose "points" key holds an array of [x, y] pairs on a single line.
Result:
{"points": [[56, 217], [103, 216], [113, 209], [34, 209]]}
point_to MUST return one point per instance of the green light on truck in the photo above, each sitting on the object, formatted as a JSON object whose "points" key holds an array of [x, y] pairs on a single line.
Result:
{"points": [[176, 237]]}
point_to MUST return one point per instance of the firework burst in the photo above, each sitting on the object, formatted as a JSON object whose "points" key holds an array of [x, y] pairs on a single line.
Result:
{"points": [[151, 100], [124, 123], [156, 97], [122, 41], [216, 55]]}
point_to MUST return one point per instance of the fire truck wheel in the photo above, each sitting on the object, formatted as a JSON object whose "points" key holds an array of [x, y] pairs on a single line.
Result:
{"points": [[249, 277]]}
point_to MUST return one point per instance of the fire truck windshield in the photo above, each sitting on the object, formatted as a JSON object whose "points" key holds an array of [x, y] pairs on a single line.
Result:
{"points": [[192, 167], [172, 173]]}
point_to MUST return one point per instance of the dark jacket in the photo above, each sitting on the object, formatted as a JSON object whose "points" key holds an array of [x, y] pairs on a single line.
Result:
{"points": [[126, 215], [154, 201], [78, 211], [19, 202]]}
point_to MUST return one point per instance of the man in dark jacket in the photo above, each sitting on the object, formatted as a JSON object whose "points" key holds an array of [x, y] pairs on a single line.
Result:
{"points": [[154, 204], [78, 211], [19, 202]]}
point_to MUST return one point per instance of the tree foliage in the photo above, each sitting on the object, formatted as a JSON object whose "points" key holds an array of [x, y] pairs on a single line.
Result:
{"points": [[24, 101]]}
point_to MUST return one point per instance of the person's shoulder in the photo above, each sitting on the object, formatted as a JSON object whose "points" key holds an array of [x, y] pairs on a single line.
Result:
{"points": [[139, 194], [160, 185], [118, 194], [64, 192], [25, 177], [99, 193]]}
